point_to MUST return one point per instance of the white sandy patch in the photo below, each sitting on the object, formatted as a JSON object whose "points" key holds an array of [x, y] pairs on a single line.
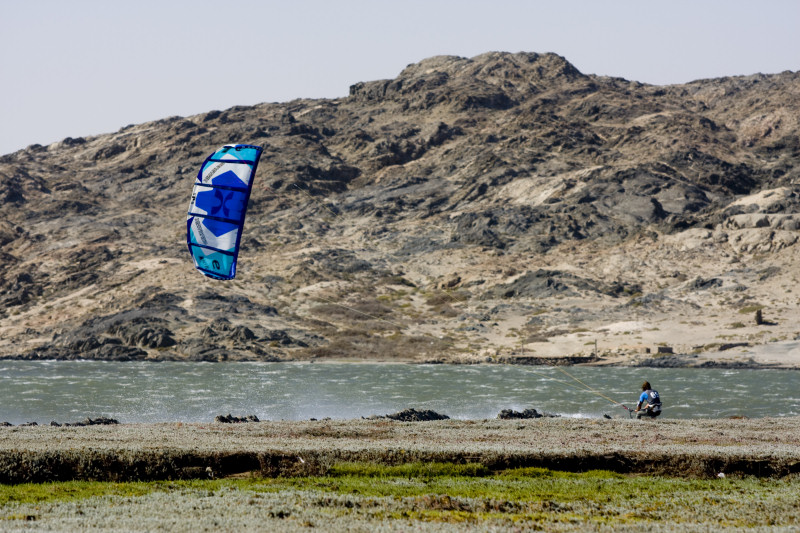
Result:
{"points": [[153, 264], [764, 198], [318, 287], [784, 353], [619, 327]]}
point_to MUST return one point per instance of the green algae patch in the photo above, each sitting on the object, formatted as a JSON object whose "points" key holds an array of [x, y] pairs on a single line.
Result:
{"points": [[64, 491], [69, 491], [415, 469]]}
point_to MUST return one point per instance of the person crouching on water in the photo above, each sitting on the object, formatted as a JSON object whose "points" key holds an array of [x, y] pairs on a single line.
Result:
{"points": [[649, 402]]}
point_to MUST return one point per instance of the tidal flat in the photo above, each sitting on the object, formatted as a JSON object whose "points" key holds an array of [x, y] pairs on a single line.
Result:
{"points": [[383, 475]]}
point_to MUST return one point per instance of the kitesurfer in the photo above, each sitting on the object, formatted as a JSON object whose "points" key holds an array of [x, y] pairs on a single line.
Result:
{"points": [[649, 402]]}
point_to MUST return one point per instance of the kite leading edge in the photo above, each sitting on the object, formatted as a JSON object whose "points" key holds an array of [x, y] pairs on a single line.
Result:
{"points": [[216, 213]]}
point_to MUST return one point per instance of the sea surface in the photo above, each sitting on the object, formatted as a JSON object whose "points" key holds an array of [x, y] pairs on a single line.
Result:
{"points": [[69, 391]]}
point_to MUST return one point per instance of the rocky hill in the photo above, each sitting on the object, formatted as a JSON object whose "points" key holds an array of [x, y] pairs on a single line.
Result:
{"points": [[503, 207]]}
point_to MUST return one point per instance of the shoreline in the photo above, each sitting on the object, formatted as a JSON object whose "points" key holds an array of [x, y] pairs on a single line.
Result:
{"points": [[766, 447], [679, 360]]}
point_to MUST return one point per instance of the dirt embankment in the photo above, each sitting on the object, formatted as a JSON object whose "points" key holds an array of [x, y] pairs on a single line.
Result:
{"points": [[761, 447]]}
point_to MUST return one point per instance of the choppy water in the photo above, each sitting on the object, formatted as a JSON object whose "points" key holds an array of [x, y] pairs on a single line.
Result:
{"points": [[68, 391]]}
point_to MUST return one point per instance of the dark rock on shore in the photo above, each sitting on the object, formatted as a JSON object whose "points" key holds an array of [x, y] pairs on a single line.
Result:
{"points": [[508, 414], [99, 421], [90, 348], [414, 415], [749, 363], [693, 361], [667, 361], [201, 350], [230, 419], [549, 361]]}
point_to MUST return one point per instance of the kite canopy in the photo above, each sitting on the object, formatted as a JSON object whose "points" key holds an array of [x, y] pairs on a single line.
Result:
{"points": [[216, 213]]}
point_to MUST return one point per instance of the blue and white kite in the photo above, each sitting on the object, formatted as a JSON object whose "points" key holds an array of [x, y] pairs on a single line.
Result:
{"points": [[219, 202]]}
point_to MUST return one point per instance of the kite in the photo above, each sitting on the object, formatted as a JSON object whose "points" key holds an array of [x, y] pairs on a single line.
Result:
{"points": [[219, 202]]}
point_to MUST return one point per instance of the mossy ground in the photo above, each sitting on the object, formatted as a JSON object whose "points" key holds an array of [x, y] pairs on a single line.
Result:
{"points": [[445, 493]]}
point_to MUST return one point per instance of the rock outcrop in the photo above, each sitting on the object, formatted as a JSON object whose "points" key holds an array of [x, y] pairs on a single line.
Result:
{"points": [[569, 199]]}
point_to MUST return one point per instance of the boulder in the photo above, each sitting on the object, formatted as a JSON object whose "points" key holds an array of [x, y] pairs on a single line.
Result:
{"points": [[414, 415], [509, 414], [230, 419]]}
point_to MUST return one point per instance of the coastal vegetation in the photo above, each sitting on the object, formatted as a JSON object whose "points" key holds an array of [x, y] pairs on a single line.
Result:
{"points": [[423, 494], [380, 474]]}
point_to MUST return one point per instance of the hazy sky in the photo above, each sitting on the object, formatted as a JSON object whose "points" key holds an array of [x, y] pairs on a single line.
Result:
{"points": [[83, 67]]}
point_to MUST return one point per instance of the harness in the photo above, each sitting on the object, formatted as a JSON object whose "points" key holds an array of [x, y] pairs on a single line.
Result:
{"points": [[653, 401]]}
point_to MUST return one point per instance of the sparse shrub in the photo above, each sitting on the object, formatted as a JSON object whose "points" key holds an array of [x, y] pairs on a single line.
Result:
{"points": [[446, 311], [446, 297], [391, 296], [398, 280], [358, 311]]}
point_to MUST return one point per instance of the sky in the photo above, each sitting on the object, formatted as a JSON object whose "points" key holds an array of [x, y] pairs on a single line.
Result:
{"points": [[85, 67]]}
